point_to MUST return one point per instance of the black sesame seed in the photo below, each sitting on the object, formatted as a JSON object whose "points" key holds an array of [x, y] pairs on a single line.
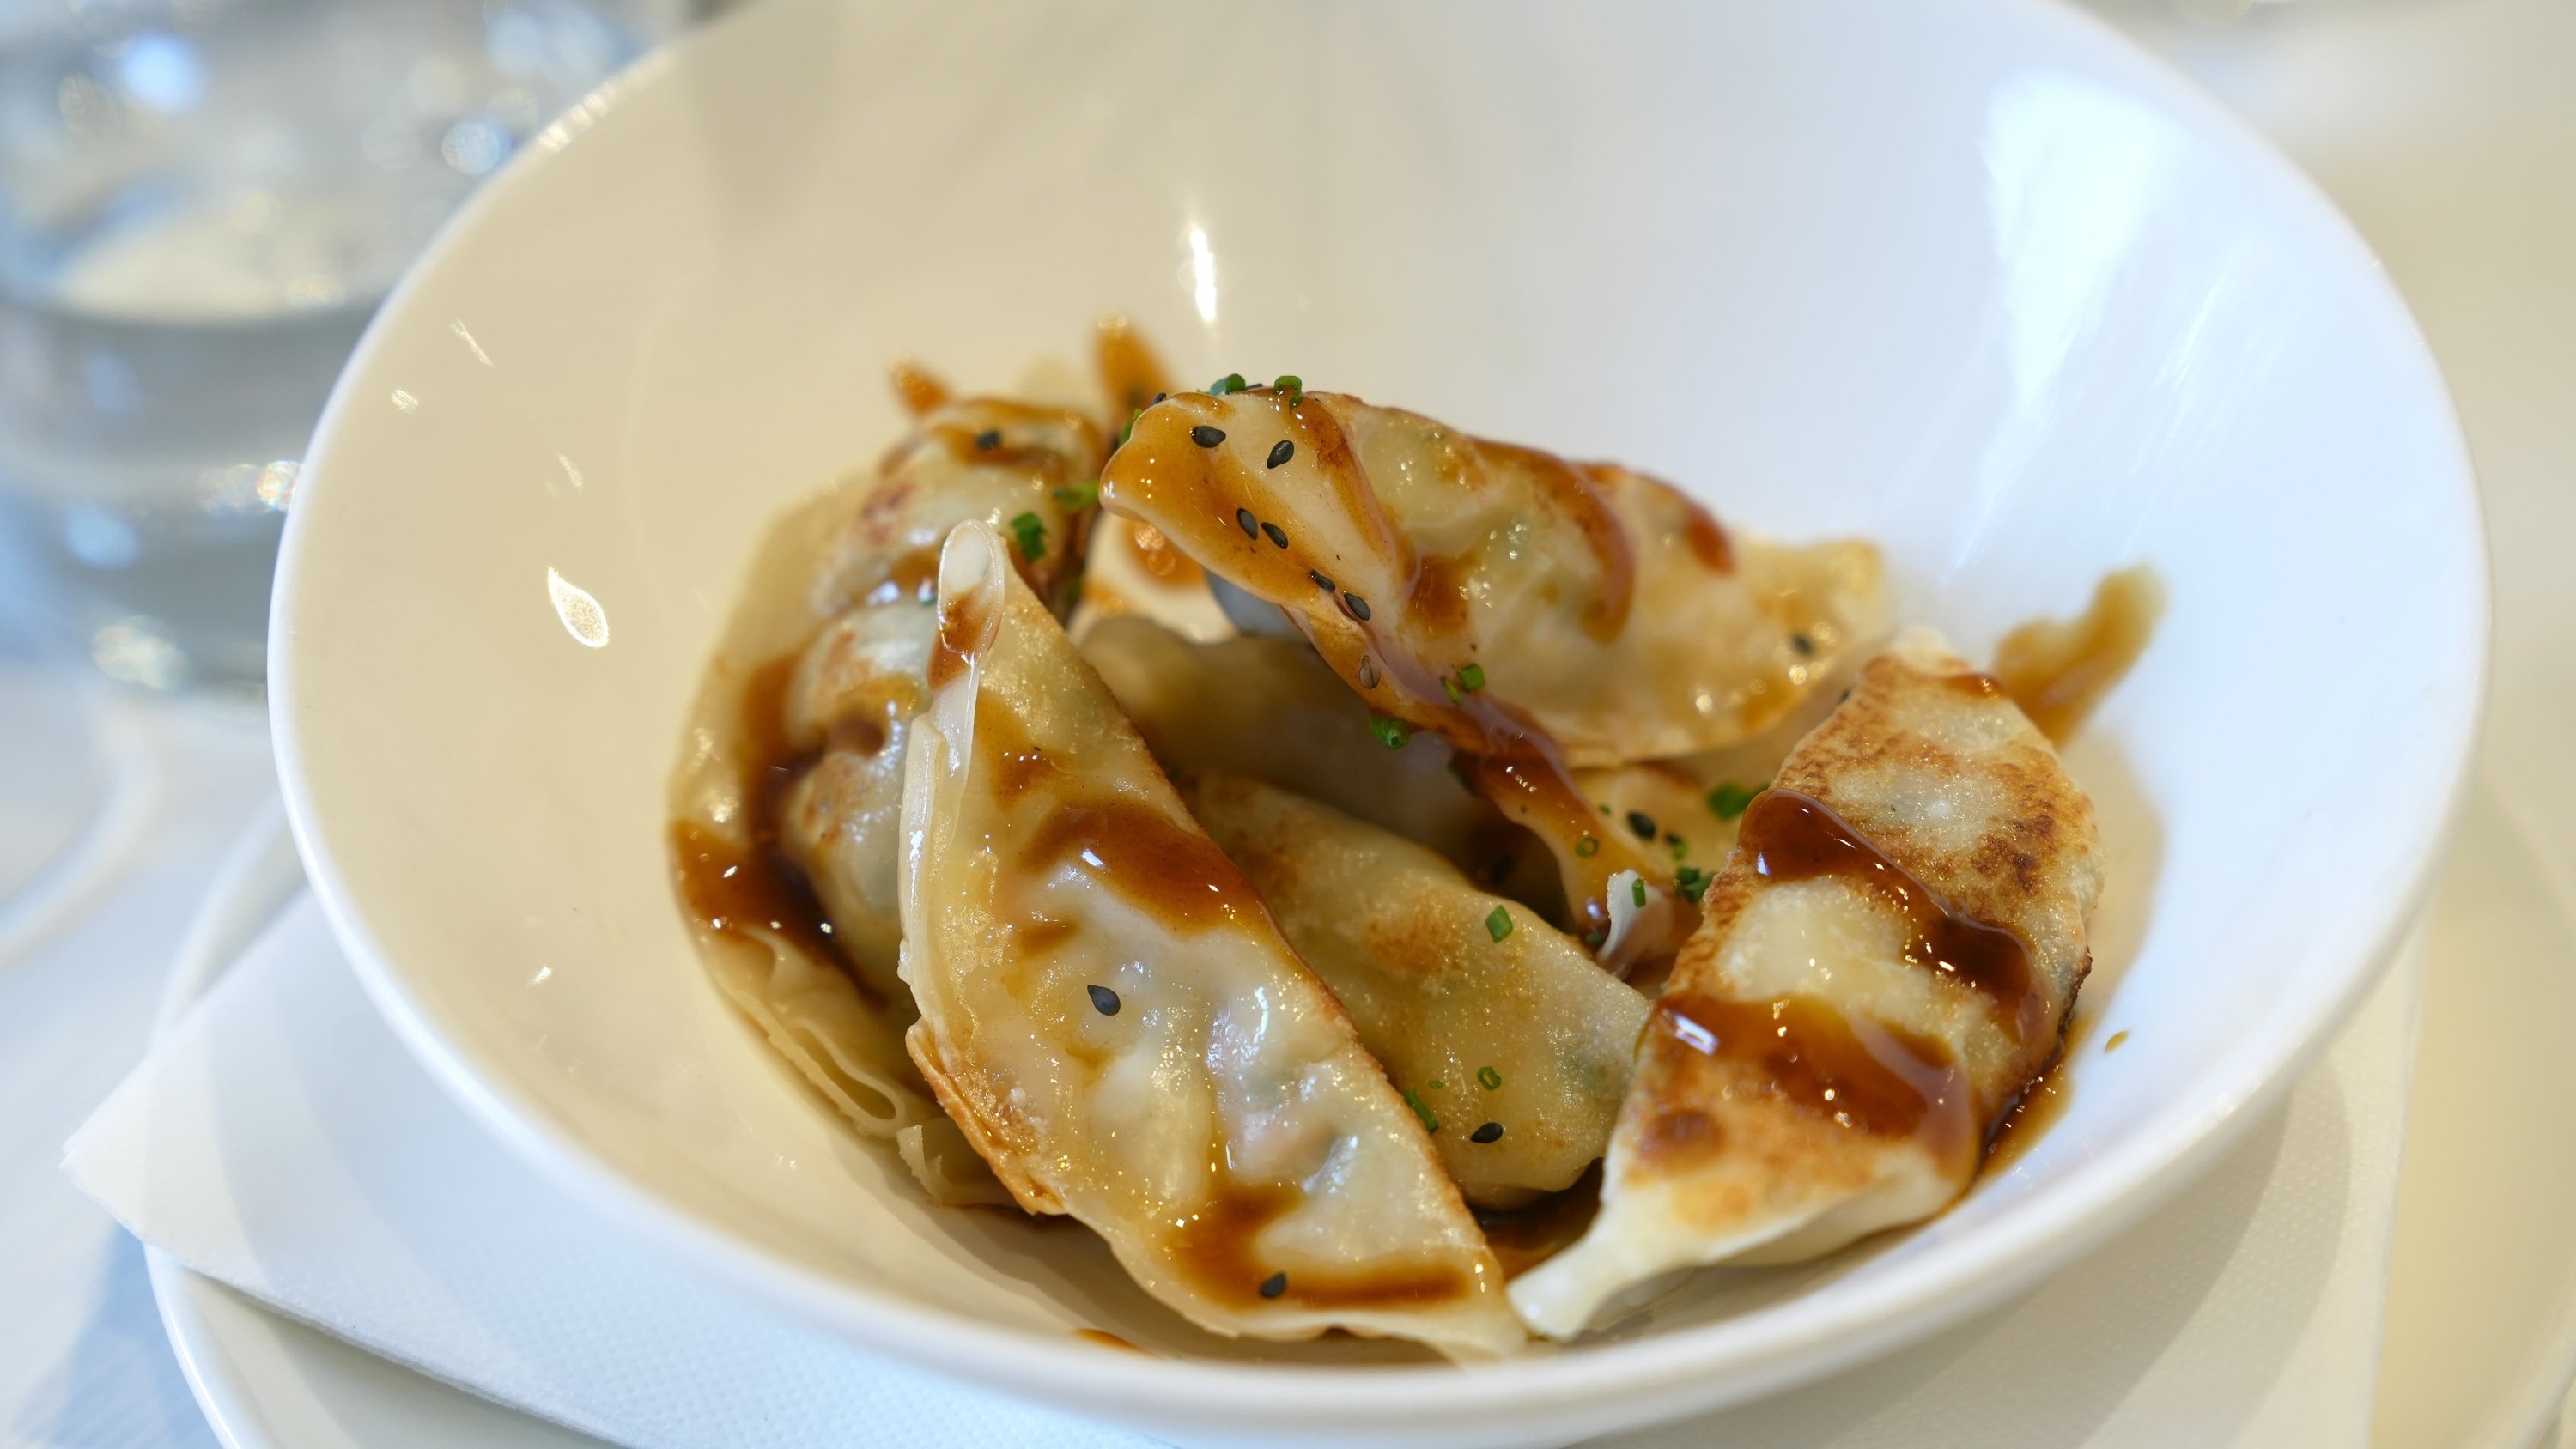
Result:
{"points": [[1594, 939], [1357, 605], [1275, 534], [1642, 823], [1274, 1285], [1490, 1132], [1207, 437], [1244, 520], [1104, 1000], [989, 439], [1321, 581], [1805, 646], [1282, 453], [1158, 397]]}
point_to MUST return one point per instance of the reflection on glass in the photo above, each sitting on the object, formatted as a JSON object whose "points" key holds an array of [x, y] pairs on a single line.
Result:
{"points": [[201, 202]]}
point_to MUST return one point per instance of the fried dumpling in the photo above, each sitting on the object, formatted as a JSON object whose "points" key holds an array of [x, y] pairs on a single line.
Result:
{"points": [[1268, 708], [1111, 1016], [1022, 468], [1512, 1045], [861, 679], [1539, 614], [1603, 607], [1886, 963]]}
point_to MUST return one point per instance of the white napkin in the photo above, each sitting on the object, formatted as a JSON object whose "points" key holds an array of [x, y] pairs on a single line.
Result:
{"points": [[280, 1140]]}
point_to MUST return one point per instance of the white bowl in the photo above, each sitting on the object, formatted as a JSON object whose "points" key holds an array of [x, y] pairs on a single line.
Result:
{"points": [[1972, 278]]}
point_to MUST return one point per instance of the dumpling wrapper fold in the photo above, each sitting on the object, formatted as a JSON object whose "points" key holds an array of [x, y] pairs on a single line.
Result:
{"points": [[1541, 615], [1110, 1015], [1512, 1040], [1885, 965]]}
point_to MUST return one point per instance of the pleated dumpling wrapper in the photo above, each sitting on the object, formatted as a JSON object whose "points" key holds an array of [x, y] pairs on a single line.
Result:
{"points": [[1510, 1043], [1540, 614], [1886, 964], [1110, 1014]]}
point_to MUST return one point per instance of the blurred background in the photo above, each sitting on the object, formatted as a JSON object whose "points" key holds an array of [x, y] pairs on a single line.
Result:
{"points": [[202, 203]]}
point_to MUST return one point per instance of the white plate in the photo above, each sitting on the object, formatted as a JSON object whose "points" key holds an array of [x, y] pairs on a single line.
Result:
{"points": [[2500, 931], [1973, 278]]}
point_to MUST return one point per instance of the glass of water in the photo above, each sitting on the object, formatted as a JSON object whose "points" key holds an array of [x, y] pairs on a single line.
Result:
{"points": [[201, 203]]}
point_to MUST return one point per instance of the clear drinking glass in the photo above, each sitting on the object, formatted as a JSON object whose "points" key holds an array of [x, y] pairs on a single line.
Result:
{"points": [[201, 203]]}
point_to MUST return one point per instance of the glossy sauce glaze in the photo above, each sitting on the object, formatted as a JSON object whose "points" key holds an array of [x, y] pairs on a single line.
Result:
{"points": [[2036, 1109], [1789, 836], [1214, 1249], [1222, 500], [2058, 671], [1864, 1075], [731, 888], [1525, 1237], [1105, 1339], [1130, 373]]}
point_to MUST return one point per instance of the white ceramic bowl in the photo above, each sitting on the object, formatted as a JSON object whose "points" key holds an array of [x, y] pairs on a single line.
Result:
{"points": [[1972, 278]]}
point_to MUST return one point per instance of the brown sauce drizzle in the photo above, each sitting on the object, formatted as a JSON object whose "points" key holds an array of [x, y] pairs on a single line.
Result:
{"points": [[730, 888], [1578, 500], [1105, 1339], [1862, 1074], [1129, 371], [2038, 1107], [1213, 1248], [912, 575], [1707, 540], [2057, 671], [916, 387], [1160, 865], [1525, 1237], [1789, 836]]}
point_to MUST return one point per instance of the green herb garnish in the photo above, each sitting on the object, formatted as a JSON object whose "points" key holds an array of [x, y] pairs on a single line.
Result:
{"points": [[1471, 676], [1390, 731], [1488, 1078], [1693, 882], [1429, 1122], [1499, 924], [1729, 800], [1231, 382], [1588, 845], [1637, 892], [1293, 385], [1031, 535], [1077, 498], [1681, 848], [1449, 687]]}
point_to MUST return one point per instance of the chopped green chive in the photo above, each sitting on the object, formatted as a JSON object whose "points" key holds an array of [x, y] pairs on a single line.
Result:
{"points": [[1449, 687], [1681, 848], [1637, 892], [1231, 382], [1438, 1085], [1291, 384], [1730, 799], [1471, 676], [1429, 1122], [1391, 732], [1031, 535], [1076, 499], [1499, 924], [1588, 845], [1488, 1078], [1127, 429], [1693, 882], [1490, 1132]]}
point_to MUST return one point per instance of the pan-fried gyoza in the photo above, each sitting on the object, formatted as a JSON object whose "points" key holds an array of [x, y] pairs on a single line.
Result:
{"points": [[1538, 831]]}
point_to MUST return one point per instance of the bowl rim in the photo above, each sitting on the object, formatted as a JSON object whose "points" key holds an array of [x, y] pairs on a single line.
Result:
{"points": [[1649, 1377]]}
